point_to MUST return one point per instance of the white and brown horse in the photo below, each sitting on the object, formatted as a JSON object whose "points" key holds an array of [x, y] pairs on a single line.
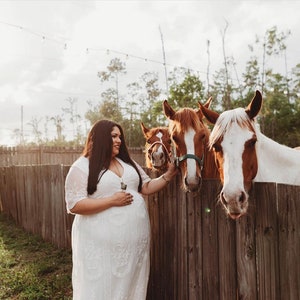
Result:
{"points": [[157, 147], [243, 154], [190, 137]]}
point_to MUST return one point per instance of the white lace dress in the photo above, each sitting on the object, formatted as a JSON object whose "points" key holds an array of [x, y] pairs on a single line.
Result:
{"points": [[111, 258]]}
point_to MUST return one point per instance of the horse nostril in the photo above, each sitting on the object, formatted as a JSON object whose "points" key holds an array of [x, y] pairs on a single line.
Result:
{"points": [[242, 197]]}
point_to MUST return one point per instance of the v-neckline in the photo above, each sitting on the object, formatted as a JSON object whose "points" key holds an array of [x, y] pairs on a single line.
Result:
{"points": [[122, 169]]}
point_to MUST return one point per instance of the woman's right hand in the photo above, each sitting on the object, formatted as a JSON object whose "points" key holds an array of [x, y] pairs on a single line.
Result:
{"points": [[122, 199]]}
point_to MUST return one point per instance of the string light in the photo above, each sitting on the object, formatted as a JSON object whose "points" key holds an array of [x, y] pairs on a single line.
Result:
{"points": [[108, 51]]}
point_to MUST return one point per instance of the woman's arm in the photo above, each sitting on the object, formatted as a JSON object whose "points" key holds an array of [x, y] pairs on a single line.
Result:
{"points": [[156, 184], [95, 205], [78, 201]]}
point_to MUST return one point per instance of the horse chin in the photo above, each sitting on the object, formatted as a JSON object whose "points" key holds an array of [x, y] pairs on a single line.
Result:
{"points": [[235, 216]]}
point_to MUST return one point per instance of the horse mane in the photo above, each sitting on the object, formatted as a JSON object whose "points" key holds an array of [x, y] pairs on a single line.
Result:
{"points": [[226, 120]]}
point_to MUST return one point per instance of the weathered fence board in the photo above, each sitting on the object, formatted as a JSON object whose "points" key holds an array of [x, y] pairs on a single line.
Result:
{"points": [[267, 242], [46, 155], [289, 241], [196, 251]]}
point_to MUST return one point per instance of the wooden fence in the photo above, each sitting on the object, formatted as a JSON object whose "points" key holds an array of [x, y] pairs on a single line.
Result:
{"points": [[196, 251], [40, 155]]}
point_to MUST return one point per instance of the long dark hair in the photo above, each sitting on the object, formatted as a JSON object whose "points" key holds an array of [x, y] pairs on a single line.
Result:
{"points": [[98, 149]]}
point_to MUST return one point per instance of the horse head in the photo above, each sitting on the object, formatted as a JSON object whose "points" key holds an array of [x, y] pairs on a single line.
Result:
{"points": [[157, 148], [233, 140], [189, 136]]}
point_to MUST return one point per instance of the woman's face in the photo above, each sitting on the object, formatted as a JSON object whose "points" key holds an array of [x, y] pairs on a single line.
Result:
{"points": [[116, 141]]}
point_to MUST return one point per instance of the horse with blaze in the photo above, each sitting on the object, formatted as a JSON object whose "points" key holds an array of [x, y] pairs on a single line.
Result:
{"points": [[244, 154], [190, 137], [157, 147]]}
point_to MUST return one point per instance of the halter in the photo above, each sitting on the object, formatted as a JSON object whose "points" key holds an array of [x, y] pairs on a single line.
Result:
{"points": [[200, 161], [164, 147], [181, 158]]}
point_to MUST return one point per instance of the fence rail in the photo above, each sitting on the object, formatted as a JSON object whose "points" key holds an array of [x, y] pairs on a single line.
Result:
{"points": [[196, 251], [40, 155]]}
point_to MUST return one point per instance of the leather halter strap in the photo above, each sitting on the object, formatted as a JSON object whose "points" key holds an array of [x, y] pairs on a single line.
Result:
{"points": [[181, 158], [200, 161], [164, 147]]}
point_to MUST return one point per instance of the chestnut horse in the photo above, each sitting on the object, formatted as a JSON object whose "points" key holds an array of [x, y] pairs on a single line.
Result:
{"points": [[157, 147], [190, 140], [243, 154]]}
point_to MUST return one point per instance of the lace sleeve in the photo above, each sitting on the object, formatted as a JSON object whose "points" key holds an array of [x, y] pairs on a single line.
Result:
{"points": [[75, 187], [144, 175]]}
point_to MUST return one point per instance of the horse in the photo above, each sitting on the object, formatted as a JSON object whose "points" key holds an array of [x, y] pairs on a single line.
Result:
{"points": [[189, 137], [243, 155], [157, 147]]}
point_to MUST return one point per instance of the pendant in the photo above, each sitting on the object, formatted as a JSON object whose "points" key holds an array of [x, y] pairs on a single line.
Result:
{"points": [[123, 186]]}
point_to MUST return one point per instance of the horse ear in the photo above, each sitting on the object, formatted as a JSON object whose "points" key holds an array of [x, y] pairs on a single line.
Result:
{"points": [[168, 110], [210, 115], [208, 102], [254, 106], [144, 129]]}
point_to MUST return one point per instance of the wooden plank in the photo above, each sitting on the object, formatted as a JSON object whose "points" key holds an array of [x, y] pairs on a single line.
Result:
{"points": [[154, 250], [182, 285], [170, 206], [57, 205], [245, 252], [20, 194], [194, 251], [210, 251], [267, 241], [226, 250], [46, 207], [68, 218], [289, 241], [30, 198]]}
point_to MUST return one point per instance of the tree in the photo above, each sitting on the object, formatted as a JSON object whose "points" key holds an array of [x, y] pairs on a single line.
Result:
{"points": [[151, 106], [34, 123], [187, 93], [74, 117], [115, 68], [59, 128]]}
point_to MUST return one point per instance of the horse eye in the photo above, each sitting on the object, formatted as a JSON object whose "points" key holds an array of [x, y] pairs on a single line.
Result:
{"points": [[217, 147], [148, 141], [175, 139], [252, 142], [169, 141]]}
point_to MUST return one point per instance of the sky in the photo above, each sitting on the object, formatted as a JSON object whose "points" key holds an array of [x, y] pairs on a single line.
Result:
{"points": [[53, 50]]}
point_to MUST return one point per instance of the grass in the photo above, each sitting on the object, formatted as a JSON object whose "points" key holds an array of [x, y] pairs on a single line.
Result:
{"points": [[31, 268]]}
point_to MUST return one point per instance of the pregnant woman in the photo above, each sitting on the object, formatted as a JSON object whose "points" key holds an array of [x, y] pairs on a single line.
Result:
{"points": [[111, 229]]}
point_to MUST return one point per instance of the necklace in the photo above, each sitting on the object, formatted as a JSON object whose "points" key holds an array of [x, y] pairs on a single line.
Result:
{"points": [[123, 185]]}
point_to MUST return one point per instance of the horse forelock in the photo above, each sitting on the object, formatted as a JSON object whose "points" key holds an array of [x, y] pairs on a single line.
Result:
{"points": [[225, 122], [154, 131], [187, 118]]}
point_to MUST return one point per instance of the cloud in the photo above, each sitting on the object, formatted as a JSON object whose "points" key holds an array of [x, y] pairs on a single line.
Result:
{"points": [[52, 50]]}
